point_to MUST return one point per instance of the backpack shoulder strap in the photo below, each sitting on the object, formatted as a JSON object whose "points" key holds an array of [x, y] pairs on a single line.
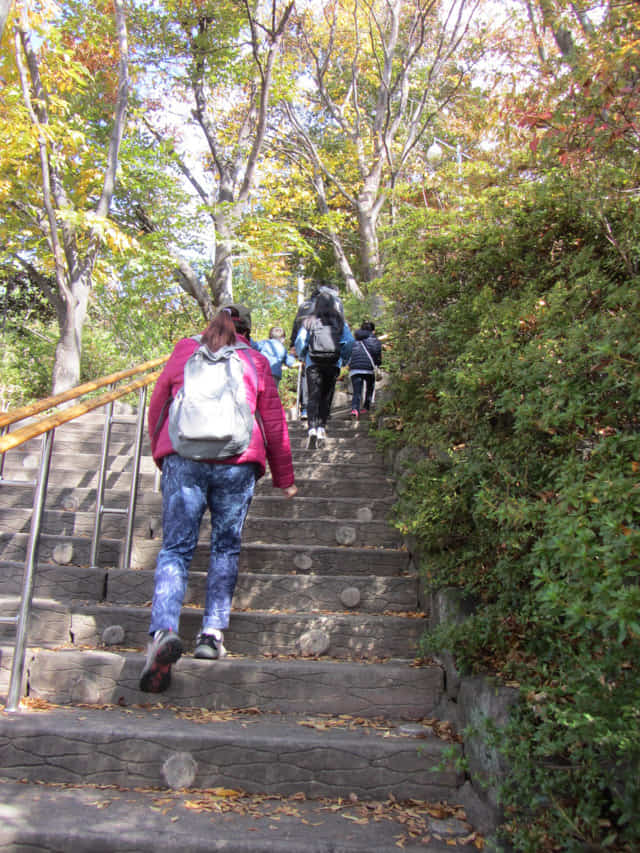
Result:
{"points": [[256, 413]]}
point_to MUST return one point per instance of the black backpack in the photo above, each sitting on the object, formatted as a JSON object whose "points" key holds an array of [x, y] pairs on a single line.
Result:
{"points": [[325, 329]]}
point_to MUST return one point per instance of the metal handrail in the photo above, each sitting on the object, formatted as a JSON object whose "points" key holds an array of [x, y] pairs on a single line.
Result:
{"points": [[46, 427], [19, 436]]}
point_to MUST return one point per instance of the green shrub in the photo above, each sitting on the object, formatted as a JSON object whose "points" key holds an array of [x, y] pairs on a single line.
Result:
{"points": [[26, 363], [516, 364]]}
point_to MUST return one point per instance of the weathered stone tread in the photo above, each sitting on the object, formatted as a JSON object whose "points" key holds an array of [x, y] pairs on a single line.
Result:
{"points": [[260, 753], [69, 819]]}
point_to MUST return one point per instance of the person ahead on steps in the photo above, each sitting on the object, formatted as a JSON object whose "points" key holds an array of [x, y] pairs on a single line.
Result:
{"points": [[366, 355], [322, 363], [223, 486], [274, 350], [307, 309]]}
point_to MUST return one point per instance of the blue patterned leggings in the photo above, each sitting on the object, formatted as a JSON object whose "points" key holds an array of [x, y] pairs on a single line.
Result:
{"points": [[188, 488]]}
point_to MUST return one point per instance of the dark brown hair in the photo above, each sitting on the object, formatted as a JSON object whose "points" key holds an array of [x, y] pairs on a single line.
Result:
{"points": [[220, 332]]}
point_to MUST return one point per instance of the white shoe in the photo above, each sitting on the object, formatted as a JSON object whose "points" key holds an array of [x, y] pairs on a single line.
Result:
{"points": [[321, 437], [312, 439], [209, 646]]}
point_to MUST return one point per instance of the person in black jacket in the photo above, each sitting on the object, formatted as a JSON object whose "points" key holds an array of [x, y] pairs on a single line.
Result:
{"points": [[366, 355], [307, 309]]}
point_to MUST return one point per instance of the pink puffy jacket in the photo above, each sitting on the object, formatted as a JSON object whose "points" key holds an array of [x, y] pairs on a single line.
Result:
{"points": [[263, 398]]}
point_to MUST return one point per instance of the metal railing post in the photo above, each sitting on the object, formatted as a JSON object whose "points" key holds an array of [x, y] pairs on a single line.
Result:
{"points": [[93, 557], [2, 432], [133, 495], [22, 619]]}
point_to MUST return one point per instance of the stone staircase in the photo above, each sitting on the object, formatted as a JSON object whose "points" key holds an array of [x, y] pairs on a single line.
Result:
{"points": [[315, 734]]}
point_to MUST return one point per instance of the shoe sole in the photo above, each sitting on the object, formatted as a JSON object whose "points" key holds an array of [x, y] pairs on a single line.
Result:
{"points": [[312, 443], [157, 677]]}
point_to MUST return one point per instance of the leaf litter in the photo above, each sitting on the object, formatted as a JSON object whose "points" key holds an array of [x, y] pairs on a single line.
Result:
{"points": [[413, 816]]}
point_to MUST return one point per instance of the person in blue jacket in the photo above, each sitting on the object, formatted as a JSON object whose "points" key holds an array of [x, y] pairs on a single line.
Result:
{"points": [[275, 352], [322, 373]]}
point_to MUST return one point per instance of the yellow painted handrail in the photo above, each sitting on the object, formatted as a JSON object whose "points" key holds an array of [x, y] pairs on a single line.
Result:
{"points": [[19, 436], [14, 415]]}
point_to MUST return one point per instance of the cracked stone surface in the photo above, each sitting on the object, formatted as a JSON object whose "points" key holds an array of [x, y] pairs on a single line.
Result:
{"points": [[360, 634], [82, 820], [278, 756], [392, 689], [280, 591]]}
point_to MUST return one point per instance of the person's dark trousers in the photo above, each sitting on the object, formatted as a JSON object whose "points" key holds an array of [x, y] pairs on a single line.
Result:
{"points": [[370, 379], [321, 382], [357, 382]]}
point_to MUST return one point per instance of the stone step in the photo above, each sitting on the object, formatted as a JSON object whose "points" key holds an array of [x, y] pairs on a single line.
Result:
{"points": [[82, 470], [90, 819], [254, 557], [361, 593], [337, 447], [88, 440], [344, 636], [259, 753], [265, 502], [62, 496], [319, 559], [396, 689], [282, 529]]}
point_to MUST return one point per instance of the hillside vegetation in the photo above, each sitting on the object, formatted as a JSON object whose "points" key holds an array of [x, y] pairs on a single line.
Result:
{"points": [[515, 357]]}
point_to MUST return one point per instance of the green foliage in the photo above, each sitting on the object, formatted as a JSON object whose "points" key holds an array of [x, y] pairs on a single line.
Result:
{"points": [[516, 363], [288, 387], [26, 362]]}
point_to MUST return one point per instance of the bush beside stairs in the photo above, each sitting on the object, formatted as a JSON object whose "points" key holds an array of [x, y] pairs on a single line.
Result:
{"points": [[315, 734]]}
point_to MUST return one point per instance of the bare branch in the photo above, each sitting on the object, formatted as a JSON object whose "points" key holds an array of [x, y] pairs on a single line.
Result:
{"points": [[314, 156], [117, 130], [41, 280], [37, 110], [190, 284], [177, 159], [275, 40]]}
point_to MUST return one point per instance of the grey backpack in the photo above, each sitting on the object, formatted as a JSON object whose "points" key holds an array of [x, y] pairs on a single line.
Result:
{"points": [[210, 418], [324, 342]]}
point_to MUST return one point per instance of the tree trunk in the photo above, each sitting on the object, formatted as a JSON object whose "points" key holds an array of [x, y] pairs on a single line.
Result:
{"points": [[73, 268], [369, 248], [349, 278], [339, 253], [189, 282], [5, 8], [221, 277], [72, 313]]}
